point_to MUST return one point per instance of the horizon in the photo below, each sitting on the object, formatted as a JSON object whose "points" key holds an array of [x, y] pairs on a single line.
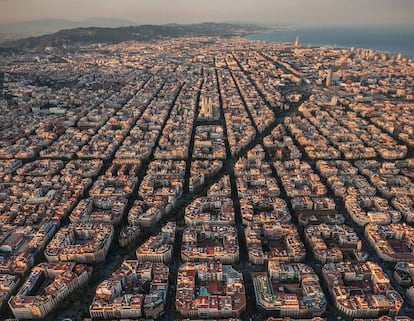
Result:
{"points": [[235, 22], [297, 13]]}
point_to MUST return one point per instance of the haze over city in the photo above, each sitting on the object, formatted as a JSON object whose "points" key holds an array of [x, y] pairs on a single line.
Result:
{"points": [[279, 12]]}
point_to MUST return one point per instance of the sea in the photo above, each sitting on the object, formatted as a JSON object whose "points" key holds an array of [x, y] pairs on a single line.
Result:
{"points": [[388, 39]]}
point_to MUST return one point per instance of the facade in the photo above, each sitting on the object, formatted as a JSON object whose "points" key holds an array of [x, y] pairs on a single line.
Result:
{"points": [[276, 242], [158, 248], [47, 285], [272, 294], [334, 243], [209, 290], [81, 242], [122, 295], [347, 283], [210, 243], [393, 243], [210, 210]]}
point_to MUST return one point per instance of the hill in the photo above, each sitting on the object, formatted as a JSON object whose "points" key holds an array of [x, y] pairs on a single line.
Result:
{"points": [[34, 28], [139, 33]]}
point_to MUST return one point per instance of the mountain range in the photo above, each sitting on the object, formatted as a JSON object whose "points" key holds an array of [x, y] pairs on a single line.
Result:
{"points": [[24, 29], [89, 35]]}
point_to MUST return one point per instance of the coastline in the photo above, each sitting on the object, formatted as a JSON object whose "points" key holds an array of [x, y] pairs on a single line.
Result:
{"points": [[388, 40]]}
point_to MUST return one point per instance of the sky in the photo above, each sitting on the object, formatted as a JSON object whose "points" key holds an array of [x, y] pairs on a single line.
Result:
{"points": [[274, 12]]}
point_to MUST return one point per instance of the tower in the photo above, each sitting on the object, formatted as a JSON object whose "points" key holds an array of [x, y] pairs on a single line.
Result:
{"points": [[206, 107], [297, 43], [329, 77]]}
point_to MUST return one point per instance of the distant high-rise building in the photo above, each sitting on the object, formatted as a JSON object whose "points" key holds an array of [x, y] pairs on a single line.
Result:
{"points": [[297, 43], [344, 67], [329, 78]]}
